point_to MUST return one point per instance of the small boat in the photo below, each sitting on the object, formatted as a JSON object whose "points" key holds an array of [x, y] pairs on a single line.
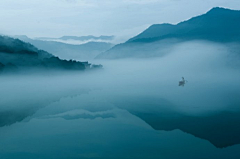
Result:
{"points": [[182, 82]]}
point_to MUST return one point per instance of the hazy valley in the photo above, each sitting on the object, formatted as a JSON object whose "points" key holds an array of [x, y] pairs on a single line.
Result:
{"points": [[99, 100]]}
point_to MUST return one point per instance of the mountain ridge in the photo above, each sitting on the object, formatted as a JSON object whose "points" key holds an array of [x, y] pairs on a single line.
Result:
{"points": [[219, 25], [86, 51], [170, 30], [80, 38], [16, 55]]}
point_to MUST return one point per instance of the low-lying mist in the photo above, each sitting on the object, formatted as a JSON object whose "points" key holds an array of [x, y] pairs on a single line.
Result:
{"points": [[209, 68], [207, 106], [212, 80]]}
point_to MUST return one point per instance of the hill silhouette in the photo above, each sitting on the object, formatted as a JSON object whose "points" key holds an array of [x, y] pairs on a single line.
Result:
{"points": [[218, 25]]}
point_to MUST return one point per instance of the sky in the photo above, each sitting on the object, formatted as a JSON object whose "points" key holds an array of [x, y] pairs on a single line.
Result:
{"points": [[122, 18]]}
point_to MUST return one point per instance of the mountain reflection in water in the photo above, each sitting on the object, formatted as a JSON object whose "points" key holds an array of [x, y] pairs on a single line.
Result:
{"points": [[112, 116]]}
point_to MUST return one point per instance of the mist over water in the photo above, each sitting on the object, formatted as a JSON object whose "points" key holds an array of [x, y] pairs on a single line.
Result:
{"points": [[133, 108]]}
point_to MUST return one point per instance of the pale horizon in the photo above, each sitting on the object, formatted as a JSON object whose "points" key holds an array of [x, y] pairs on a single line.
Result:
{"points": [[123, 19]]}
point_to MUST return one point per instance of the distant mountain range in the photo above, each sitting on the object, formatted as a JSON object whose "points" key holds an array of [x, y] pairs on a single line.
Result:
{"points": [[84, 51], [218, 25], [16, 55], [80, 38]]}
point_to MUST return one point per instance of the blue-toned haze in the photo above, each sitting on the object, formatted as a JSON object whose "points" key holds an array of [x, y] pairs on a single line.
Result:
{"points": [[68, 92], [122, 18]]}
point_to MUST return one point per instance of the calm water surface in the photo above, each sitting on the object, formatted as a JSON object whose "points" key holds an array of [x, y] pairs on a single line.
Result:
{"points": [[123, 111]]}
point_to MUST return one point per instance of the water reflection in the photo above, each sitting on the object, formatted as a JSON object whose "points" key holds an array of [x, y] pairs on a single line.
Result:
{"points": [[119, 129], [113, 114], [82, 114], [220, 128]]}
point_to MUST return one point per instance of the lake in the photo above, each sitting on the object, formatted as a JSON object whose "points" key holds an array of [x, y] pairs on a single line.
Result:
{"points": [[129, 109]]}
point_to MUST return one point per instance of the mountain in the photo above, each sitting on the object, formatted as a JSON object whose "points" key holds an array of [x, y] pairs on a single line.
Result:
{"points": [[16, 55], [85, 38], [80, 38], [218, 25], [84, 51]]}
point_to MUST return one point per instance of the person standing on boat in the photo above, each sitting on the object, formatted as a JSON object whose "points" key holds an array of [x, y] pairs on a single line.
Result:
{"points": [[182, 83]]}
